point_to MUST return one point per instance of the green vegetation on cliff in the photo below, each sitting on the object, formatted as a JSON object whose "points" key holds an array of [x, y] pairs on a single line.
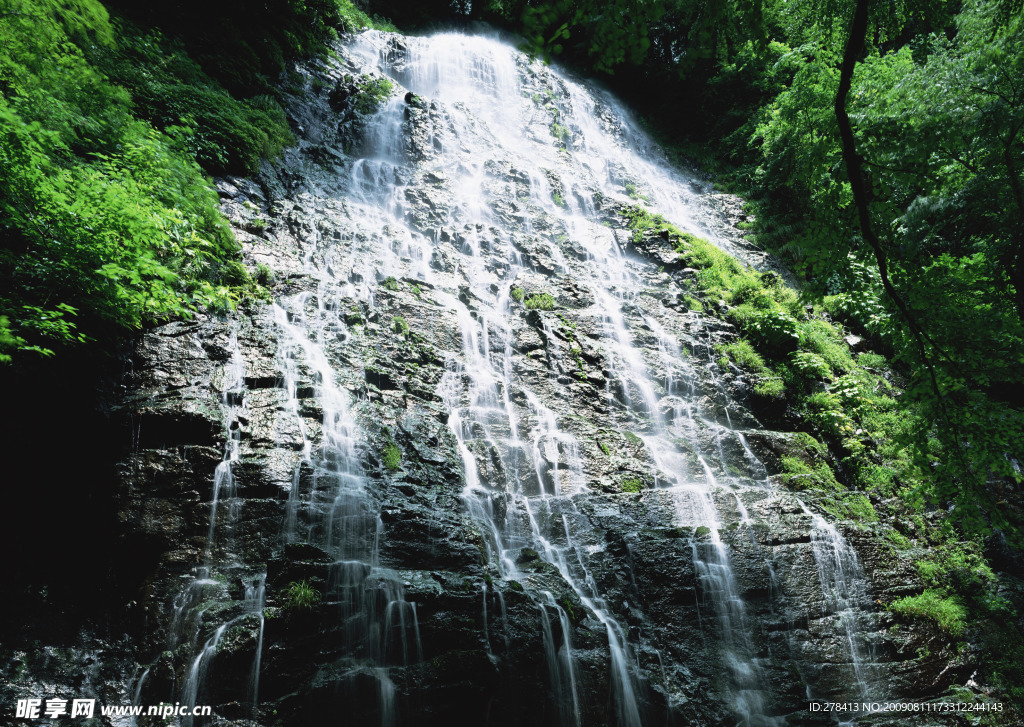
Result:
{"points": [[108, 127]]}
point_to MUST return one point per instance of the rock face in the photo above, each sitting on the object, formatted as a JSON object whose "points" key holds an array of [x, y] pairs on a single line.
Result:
{"points": [[476, 463]]}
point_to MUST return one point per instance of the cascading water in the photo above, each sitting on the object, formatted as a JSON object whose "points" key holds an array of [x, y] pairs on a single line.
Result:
{"points": [[480, 84], [489, 180]]}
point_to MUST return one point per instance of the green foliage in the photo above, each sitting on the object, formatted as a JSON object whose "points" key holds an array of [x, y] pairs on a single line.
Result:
{"points": [[517, 294], [300, 595], [400, 326], [775, 330], [692, 303], [743, 353], [811, 365], [960, 568], [540, 301], [99, 242], [939, 119], [631, 484], [947, 613], [560, 133], [799, 474], [264, 274], [246, 45], [171, 91], [772, 387], [391, 457], [106, 222], [390, 283], [373, 91]]}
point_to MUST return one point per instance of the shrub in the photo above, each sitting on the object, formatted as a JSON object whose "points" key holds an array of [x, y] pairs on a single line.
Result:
{"points": [[389, 283], [264, 274], [518, 294], [811, 366], [774, 330], [400, 326]]}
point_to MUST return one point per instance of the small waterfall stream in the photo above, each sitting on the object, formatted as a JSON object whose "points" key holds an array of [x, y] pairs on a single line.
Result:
{"points": [[522, 159]]}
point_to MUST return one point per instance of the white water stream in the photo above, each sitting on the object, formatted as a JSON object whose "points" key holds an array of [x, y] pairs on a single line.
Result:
{"points": [[561, 147]]}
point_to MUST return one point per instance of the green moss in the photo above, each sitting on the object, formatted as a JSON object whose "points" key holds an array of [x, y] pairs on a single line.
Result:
{"points": [[743, 353], [540, 301], [604, 448], [692, 303], [632, 439], [391, 457], [631, 484], [799, 474], [702, 532], [946, 613], [373, 91], [772, 387], [898, 539], [852, 506], [822, 338]]}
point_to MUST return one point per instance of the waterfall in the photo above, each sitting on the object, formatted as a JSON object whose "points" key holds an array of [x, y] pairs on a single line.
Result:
{"points": [[484, 188]]}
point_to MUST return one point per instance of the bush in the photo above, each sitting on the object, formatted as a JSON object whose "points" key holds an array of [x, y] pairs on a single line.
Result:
{"points": [[774, 330], [170, 90]]}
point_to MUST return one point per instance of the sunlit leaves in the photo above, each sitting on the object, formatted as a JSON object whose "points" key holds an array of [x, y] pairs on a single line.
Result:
{"points": [[105, 224]]}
